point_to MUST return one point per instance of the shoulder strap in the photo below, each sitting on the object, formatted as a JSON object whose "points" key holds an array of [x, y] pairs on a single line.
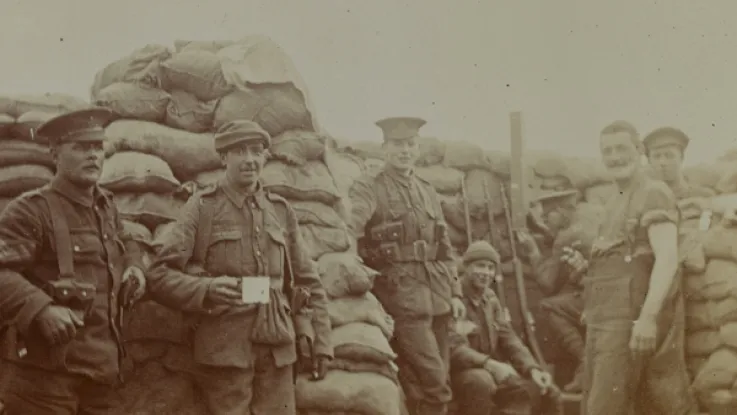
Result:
{"points": [[62, 237], [204, 232]]}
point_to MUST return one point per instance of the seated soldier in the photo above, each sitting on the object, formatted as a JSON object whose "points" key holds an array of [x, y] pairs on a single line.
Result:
{"points": [[490, 366]]}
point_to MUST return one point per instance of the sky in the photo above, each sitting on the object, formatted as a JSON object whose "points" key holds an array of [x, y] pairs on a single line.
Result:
{"points": [[569, 66]]}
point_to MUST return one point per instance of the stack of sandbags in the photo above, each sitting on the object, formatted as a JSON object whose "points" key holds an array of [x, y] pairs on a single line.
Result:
{"points": [[25, 161]]}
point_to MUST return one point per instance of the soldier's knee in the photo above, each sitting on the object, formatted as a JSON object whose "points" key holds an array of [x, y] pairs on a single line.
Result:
{"points": [[478, 380]]}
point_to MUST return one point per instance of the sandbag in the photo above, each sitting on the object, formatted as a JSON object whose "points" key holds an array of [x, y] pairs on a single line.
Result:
{"points": [[134, 172], [297, 147], [6, 123], [311, 182], [321, 240], [208, 45], [483, 187], [316, 213], [444, 180], [363, 393], [728, 334], [691, 249], [140, 66], [723, 311], [21, 178], [26, 125], [13, 152], [600, 193], [465, 156], [694, 364], [4, 202], [54, 103], [138, 232], [432, 150], [196, 71], [580, 172], [186, 153], [362, 149], [149, 209], [706, 174], [387, 370], [208, 178], [698, 316], [186, 112], [719, 371], [344, 274], [364, 309], [344, 168], [136, 101], [702, 342], [720, 242], [719, 279], [361, 342], [693, 286]]}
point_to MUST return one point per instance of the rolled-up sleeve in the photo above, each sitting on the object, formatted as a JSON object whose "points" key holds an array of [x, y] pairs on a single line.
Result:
{"points": [[659, 205]]}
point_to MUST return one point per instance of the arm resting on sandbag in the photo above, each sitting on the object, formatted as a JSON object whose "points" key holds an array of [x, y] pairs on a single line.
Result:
{"points": [[21, 235]]}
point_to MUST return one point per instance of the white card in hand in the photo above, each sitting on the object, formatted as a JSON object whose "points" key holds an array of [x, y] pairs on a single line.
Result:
{"points": [[255, 290]]}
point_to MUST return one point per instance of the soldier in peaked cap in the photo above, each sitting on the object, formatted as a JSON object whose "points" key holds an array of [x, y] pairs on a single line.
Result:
{"points": [[67, 269], [237, 238], [398, 221]]}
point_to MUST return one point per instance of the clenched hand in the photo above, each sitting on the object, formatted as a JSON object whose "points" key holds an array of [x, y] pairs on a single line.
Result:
{"points": [[225, 290], [58, 324]]}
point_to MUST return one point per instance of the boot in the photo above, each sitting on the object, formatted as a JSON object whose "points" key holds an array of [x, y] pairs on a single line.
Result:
{"points": [[573, 343]]}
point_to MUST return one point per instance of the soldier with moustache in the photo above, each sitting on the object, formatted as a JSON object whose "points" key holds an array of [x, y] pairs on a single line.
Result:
{"points": [[398, 220], [66, 270], [231, 242]]}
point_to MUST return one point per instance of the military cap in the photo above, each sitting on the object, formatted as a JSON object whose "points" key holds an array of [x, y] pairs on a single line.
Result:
{"points": [[240, 131], [480, 250], [400, 128], [87, 125], [664, 137], [549, 195]]}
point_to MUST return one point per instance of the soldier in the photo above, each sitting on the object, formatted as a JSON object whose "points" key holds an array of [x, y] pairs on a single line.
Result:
{"points": [[665, 149], [235, 263], [562, 286], [490, 366], [398, 218], [66, 268], [633, 309]]}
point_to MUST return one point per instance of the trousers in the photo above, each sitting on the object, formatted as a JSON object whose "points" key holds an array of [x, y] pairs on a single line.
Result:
{"points": [[563, 312]]}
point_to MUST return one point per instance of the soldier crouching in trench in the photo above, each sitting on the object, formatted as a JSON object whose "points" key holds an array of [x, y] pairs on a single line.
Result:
{"points": [[490, 366], [66, 270], [238, 240], [398, 218], [633, 308]]}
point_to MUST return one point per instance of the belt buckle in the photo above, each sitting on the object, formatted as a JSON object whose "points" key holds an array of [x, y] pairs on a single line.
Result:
{"points": [[420, 250]]}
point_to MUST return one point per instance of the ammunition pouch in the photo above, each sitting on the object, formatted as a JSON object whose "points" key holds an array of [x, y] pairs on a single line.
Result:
{"points": [[419, 251], [387, 232], [75, 295]]}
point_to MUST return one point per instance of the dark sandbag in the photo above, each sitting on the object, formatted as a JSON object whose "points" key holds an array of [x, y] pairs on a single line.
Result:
{"points": [[363, 393], [297, 147], [361, 342], [136, 101], [186, 112], [6, 123], [444, 180], [149, 209], [321, 240], [311, 182], [198, 72], [344, 274], [26, 125], [360, 308], [133, 172], [138, 232], [316, 213], [14, 152], [17, 179]]}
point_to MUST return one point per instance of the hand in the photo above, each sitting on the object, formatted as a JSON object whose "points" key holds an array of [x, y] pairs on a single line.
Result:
{"points": [[528, 242], [644, 332], [320, 367], [501, 371], [225, 290], [459, 310], [58, 324], [574, 258], [542, 379], [133, 286]]}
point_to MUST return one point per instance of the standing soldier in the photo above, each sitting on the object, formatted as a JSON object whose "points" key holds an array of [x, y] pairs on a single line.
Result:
{"points": [[244, 241], [633, 309], [398, 218], [665, 149], [64, 266]]}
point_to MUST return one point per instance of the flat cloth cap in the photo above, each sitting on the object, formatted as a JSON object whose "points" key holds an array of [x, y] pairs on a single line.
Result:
{"points": [[240, 131], [549, 196], [87, 125], [400, 128], [664, 137]]}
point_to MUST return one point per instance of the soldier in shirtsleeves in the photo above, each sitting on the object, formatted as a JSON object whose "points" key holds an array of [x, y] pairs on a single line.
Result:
{"points": [[491, 368], [633, 308], [563, 304], [66, 269], [398, 219], [230, 263]]}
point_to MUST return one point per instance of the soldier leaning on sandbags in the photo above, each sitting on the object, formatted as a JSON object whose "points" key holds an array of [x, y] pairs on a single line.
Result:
{"points": [[232, 243], [66, 268], [398, 218], [633, 308]]}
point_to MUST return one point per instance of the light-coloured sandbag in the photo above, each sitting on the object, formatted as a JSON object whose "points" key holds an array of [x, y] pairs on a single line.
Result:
{"points": [[311, 182], [26, 125], [134, 172], [138, 232], [724, 311], [140, 66], [728, 335], [693, 286], [465, 156], [136, 101], [208, 178], [720, 242], [698, 316], [387, 370], [691, 248], [13, 152], [483, 187], [54, 103], [694, 364], [432, 150], [6, 123], [719, 279], [364, 309], [321, 240], [198, 72], [363, 393], [444, 180], [297, 147], [579, 172], [362, 149], [344, 274], [149, 209], [361, 342], [719, 371], [706, 174], [316, 213], [186, 153], [723, 203], [702, 342], [600, 193], [17, 179], [186, 112], [208, 45], [344, 168]]}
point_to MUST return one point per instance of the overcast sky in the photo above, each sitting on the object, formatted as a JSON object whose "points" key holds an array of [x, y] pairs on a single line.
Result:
{"points": [[569, 66]]}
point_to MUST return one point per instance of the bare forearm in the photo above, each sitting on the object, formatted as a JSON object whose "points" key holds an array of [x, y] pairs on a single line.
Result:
{"points": [[661, 280]]}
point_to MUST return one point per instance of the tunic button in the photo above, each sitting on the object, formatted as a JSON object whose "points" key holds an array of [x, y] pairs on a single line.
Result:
{"points": [[65, 292], [76, 248], [258, 253], [253, 206], [104, 237], [257, 229]]}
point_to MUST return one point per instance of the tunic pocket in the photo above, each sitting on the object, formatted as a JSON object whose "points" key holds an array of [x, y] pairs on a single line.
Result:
{"points": [[276, 253], [224, 251]]}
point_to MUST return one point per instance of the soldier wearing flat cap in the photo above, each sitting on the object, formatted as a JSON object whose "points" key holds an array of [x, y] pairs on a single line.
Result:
{"points": [[236, 265], [665, 149], [66, 270], [397, 218]]}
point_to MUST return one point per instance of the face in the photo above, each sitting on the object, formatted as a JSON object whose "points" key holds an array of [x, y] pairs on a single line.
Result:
{"points": [[620, 154], [480, 273], [401, 154], [666, 162], [79, 162], [556, 215], [244, 163]]}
